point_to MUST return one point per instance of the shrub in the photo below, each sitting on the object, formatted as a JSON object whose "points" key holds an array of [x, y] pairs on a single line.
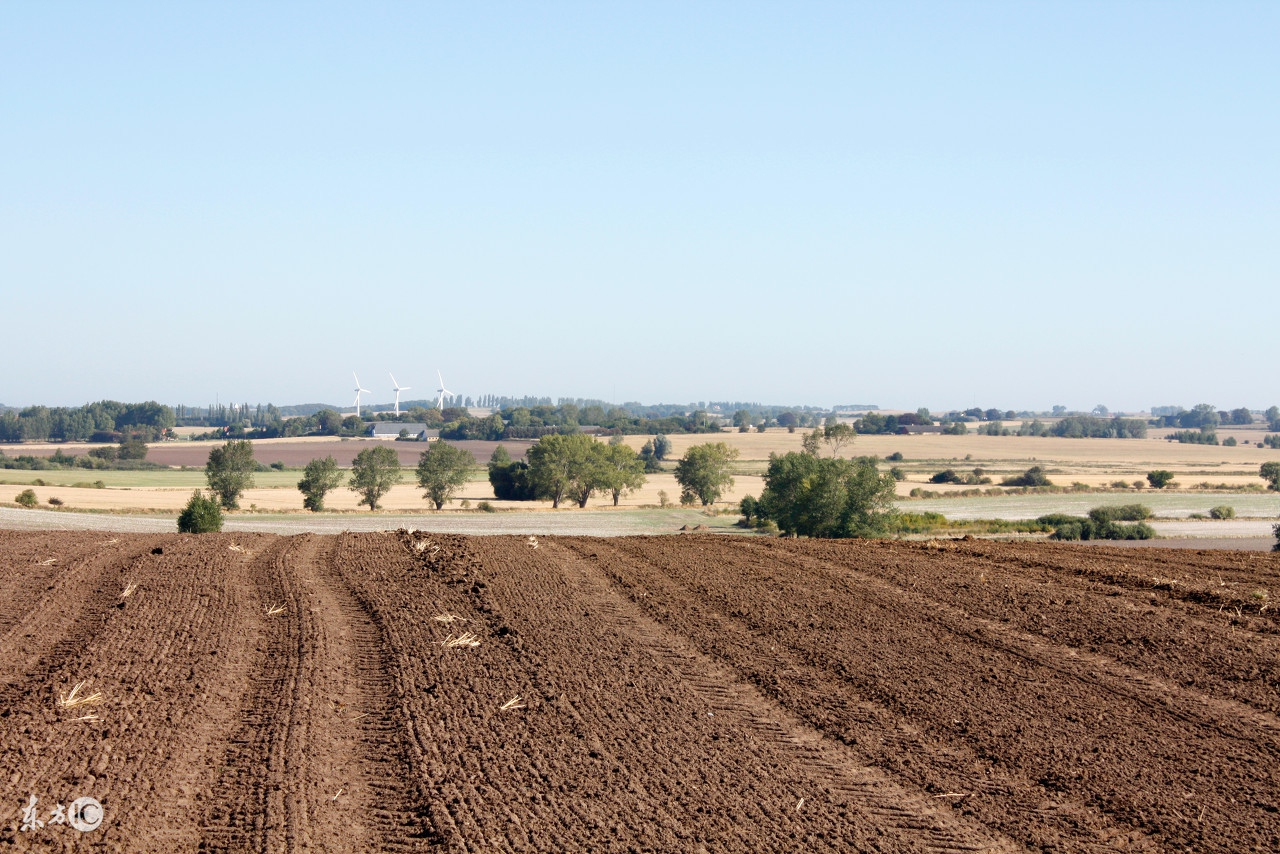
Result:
{"points": [[55, 501], [1276, 530], [663, 499], [1066, 527], [27, 498], [897, 473], [486, 507], [1033, 476], [895, 457], [1229, 442], [202, 515], [1222, 512], [948, 476], [1120, 513], [1159, 478]]}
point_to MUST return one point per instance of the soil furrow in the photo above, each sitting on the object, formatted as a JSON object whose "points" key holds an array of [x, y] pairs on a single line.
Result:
{"points": [[831, 765]]}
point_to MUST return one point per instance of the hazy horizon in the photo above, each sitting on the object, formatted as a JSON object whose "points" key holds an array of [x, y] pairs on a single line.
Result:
{"points": [[982, 204]]}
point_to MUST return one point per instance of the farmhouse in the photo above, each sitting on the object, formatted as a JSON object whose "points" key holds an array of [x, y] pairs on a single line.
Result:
{"points": [[393, 429]]}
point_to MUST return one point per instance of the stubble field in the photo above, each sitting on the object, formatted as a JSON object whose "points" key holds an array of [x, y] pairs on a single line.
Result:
{"points": [[689, 693]]}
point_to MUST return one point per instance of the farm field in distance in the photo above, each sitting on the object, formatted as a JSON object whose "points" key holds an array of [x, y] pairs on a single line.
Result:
{"points": [[399, 691], [1095, 462]]}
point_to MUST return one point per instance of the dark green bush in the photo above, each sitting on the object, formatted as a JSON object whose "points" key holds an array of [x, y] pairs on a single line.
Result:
{"points": [[1085, 528], [27, 498], [948, 476], [202, 515], [1222, 511], [1033, 476], [1160, 478], [1120, 513]]}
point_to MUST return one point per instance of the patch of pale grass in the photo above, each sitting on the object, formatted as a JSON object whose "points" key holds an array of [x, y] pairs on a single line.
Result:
{"points": [[129, 590], [466, 640], [513, 703], [273, 610], [73, 699]]}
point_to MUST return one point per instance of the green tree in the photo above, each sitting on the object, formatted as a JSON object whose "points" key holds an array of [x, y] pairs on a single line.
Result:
{"points": [[807, 495], [230, 472], [373, 472], [1270, 472], [442, 470], [837, 435], [565, 465], [703, 473], [661, 447], [622, 471], [510, 478], [1159, 479], [329, 422], [320, 478], [202, 515], [27, 498]]}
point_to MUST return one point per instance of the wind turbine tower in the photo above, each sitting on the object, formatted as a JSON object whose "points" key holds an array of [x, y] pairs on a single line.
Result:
{"points": [[399, 388], [359, 391], [442, 392]]}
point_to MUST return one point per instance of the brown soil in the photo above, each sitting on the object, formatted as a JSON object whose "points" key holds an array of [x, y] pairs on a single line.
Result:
{"points": [[690, 693]]}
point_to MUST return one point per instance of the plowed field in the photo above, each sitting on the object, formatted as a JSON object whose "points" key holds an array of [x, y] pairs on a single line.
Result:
{"points": [[413, 692]]}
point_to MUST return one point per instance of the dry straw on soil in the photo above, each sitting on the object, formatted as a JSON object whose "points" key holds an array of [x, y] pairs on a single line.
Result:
{"points": [[466, 640], [74, 699], [513, 703]]}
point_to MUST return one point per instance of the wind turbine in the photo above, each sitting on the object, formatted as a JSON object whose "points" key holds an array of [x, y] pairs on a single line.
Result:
{"points": [[399, 388], [443, 391], [359, 390]]}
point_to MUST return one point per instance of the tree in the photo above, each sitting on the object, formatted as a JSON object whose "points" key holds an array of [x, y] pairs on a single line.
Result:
{"points": [[1159, 479], [320, 477], [1270, 472], [703, 473], [561, 465], [202, 515], [807, 495], [510, 478], [661, 447], [838, 435], [26, 498], [1241, 416], [329, 422], [622, 471], [442, 470], [373, 472], [230, 472]]}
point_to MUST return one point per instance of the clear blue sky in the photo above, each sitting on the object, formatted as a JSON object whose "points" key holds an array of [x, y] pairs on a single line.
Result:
{"points": [[941, 204]]}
